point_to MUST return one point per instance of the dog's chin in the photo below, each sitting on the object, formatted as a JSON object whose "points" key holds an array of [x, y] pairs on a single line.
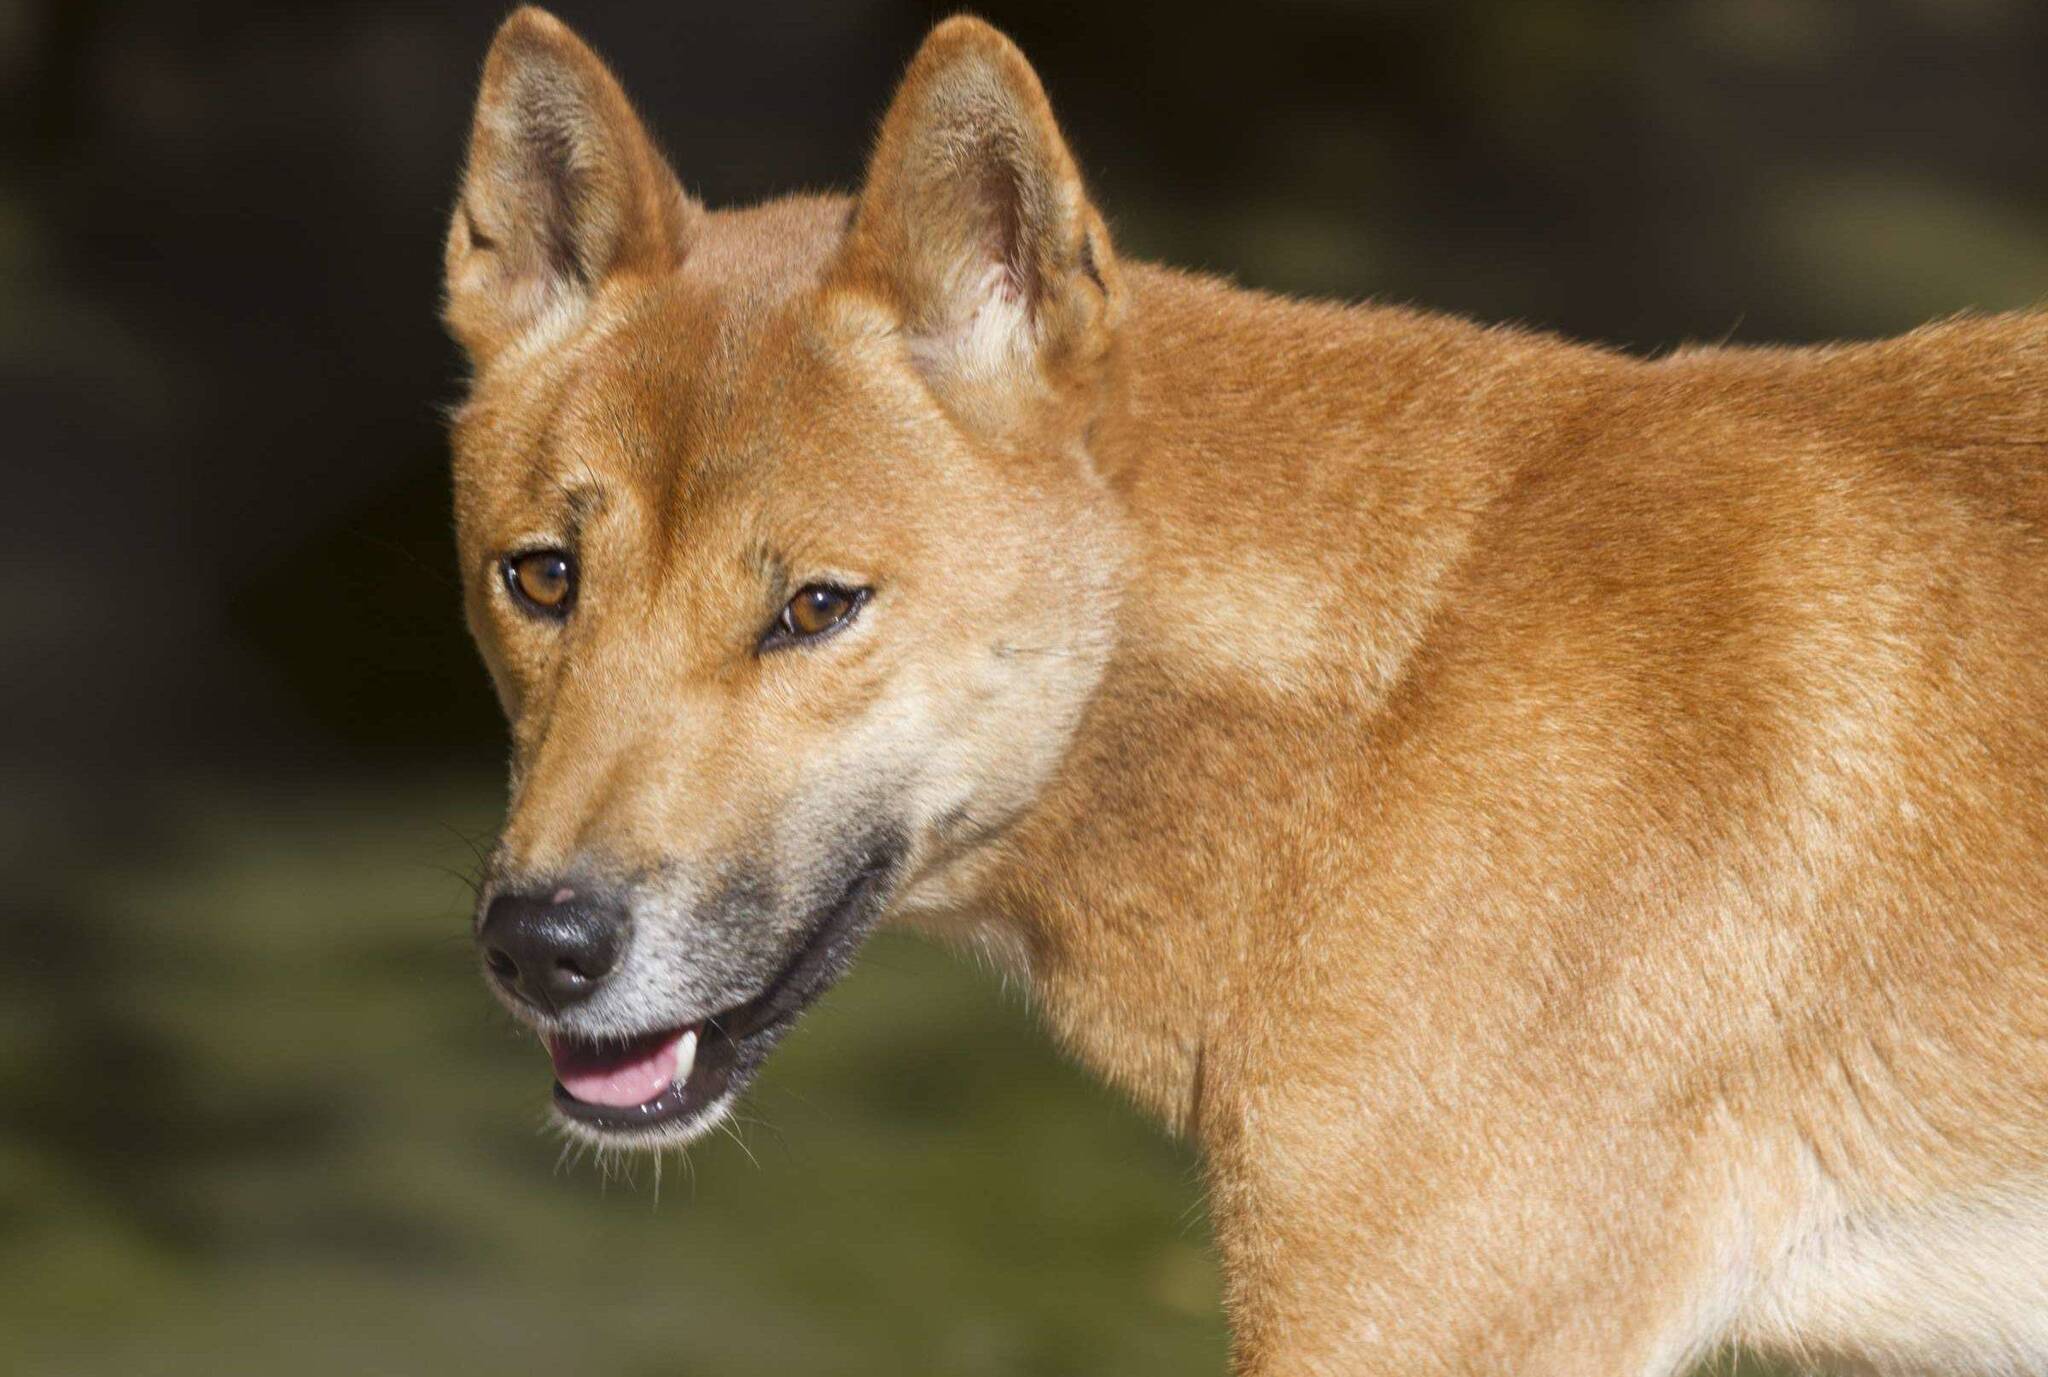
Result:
{"points": [[668, 1086]]}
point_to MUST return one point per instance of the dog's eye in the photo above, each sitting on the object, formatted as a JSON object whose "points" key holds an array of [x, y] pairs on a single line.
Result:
{"points": [[542, 581], [816, 609]]}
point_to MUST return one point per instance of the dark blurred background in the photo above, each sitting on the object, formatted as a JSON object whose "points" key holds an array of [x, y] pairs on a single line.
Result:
{"points": [[254, 1112]]}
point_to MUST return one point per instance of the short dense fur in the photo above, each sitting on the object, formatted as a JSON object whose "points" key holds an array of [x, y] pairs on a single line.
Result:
{"points": [[1566, 833]]}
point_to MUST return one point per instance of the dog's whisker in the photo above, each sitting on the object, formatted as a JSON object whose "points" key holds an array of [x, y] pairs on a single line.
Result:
{"points": [[733, 1133]]}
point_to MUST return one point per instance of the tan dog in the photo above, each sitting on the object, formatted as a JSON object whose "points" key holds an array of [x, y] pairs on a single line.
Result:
{"points": [[1568, 834]]}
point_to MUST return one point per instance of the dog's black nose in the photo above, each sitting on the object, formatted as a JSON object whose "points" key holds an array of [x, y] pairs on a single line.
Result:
{"points": [[553, 949]]}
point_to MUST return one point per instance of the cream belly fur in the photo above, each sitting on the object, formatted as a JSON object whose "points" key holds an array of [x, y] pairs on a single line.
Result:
{"points": [[1566, 834]]}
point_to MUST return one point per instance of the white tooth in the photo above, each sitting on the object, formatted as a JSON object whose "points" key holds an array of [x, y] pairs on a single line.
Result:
{"points": [[686, 1056]]}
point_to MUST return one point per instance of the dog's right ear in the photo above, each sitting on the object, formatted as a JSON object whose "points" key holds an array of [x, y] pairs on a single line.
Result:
{"points": [[563, 191]]}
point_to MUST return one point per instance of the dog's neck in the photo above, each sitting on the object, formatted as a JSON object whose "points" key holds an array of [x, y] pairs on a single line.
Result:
{"points": [[1250, 626]]}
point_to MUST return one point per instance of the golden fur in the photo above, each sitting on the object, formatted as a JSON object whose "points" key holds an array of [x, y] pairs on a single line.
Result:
{"points": [[1566, 833]]}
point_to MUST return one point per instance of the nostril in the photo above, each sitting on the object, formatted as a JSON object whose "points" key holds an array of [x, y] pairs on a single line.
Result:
{"points": [[548, 952]]}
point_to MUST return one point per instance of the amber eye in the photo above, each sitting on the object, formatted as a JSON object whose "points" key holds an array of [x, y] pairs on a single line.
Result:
{"points": [[816, 609], [542, 581]]}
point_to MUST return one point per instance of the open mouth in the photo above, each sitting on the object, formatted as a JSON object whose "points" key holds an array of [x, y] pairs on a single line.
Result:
{"points": [[681, 1076], [660, 1078]]}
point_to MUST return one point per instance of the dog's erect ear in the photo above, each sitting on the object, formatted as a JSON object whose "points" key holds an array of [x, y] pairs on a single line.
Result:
{"points": [[563, 191], [974, 220]]}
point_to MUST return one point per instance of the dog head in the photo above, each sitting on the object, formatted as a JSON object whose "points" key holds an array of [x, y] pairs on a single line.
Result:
{"points": [[781, 539]]}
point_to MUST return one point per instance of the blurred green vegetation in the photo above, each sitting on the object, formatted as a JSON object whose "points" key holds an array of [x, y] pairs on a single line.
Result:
{"points": [[263, 1118]]}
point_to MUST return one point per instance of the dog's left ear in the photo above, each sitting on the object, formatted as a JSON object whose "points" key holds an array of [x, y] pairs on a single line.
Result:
{"points": [[974, 222]]}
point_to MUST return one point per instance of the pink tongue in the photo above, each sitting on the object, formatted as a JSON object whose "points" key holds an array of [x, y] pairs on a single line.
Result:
{"points": [[617, 1076]]}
